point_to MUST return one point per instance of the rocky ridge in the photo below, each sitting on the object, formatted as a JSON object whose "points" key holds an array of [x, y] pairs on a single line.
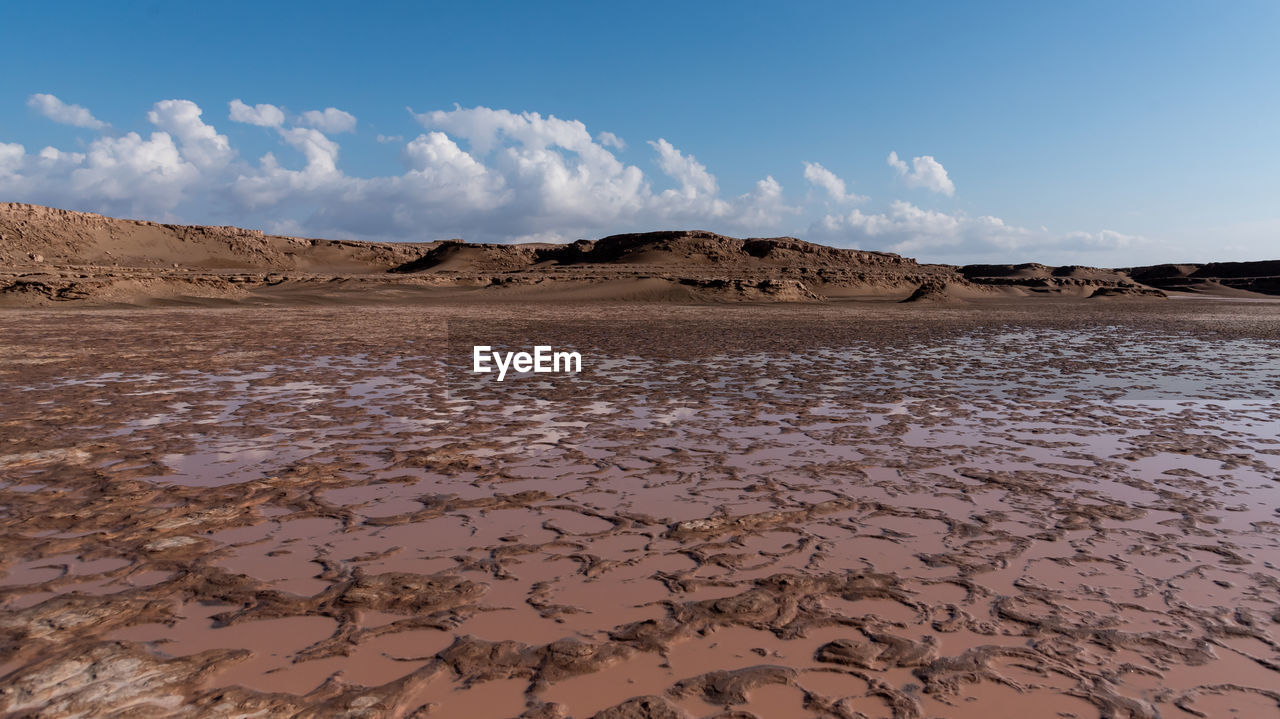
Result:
{"points": [[50, 256]]}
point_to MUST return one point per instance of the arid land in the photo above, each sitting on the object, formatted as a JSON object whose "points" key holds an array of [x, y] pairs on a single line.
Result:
{"points": [[50, 256], [1051, 495]]}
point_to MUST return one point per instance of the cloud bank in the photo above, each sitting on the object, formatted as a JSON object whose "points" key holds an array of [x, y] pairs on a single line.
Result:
{"points": [[480, 173], [909, 230]]}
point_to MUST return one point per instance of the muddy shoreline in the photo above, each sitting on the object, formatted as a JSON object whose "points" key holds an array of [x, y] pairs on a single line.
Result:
{"points": [[1060, 509]]}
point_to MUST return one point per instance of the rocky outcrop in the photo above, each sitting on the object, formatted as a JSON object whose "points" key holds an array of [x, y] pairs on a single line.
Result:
{"points": [[50, 256], [1127, 290], [1213, 278], [931, 290]]}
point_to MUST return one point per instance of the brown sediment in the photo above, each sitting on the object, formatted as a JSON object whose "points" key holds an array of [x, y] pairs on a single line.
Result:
{"points": [[735, 512]]}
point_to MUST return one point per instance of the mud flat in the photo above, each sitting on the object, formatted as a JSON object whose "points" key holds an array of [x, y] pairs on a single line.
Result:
{"points": [[836, 511]]}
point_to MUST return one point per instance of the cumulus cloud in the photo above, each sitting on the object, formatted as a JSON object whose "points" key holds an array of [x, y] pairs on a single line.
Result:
{"points": [[144, 176], [201, 143], [554, 169], [608, 139], [11, 156], [698, 190], [450, 176], [546, 178], [320, 151], [925, 172], [486, 175], [130, 174], [263, 115], [51, 158], [480, 173], [62, 113], [765, 205], [826, 180], [330, 120]]}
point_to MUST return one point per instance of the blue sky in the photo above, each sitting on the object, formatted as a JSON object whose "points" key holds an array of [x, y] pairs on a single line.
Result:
{"points": [[1085, 132]]}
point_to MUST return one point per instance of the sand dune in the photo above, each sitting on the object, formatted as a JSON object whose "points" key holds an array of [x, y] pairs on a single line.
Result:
{"points": [[31, 234]]}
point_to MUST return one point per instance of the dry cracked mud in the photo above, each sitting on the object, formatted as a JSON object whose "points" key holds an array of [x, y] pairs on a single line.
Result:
{"points": [[839, 512]]}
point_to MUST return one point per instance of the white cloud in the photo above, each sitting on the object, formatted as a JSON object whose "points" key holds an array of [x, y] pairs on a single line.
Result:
{"points": [[140, 176], [201, 143], [692, 175], [269, 185], [826, 180], [389, 139], [62, 113], [52, 158], [486, 175], [320, 151], [11, 157], [525, 175], [443, 174], [698, 191], [330, 120], [608, 139], [485, 129], [765, 206], [261, 115], [130, 174], [552, 167], [925, 172]]}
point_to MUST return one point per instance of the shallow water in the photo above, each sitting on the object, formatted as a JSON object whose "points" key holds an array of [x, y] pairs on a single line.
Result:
{"points": [[992, 520]]}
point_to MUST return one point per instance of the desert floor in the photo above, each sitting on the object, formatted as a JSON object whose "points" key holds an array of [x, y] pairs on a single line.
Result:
{"points": [[1057, 509]]}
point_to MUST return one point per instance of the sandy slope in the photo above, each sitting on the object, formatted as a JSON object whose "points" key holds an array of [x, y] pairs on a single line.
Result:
{"points": [[34, 235], [50, 256]]}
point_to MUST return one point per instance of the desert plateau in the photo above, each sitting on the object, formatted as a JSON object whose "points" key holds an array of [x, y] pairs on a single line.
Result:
{"points": [[50, 256], [245, 475]]}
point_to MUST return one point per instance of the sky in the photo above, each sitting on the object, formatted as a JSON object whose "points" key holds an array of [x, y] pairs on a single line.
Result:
{"points": [[1097, 133]]}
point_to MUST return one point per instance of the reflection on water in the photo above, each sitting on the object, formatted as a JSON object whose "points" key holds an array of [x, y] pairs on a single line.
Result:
{"points": [[1079, 519]]}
